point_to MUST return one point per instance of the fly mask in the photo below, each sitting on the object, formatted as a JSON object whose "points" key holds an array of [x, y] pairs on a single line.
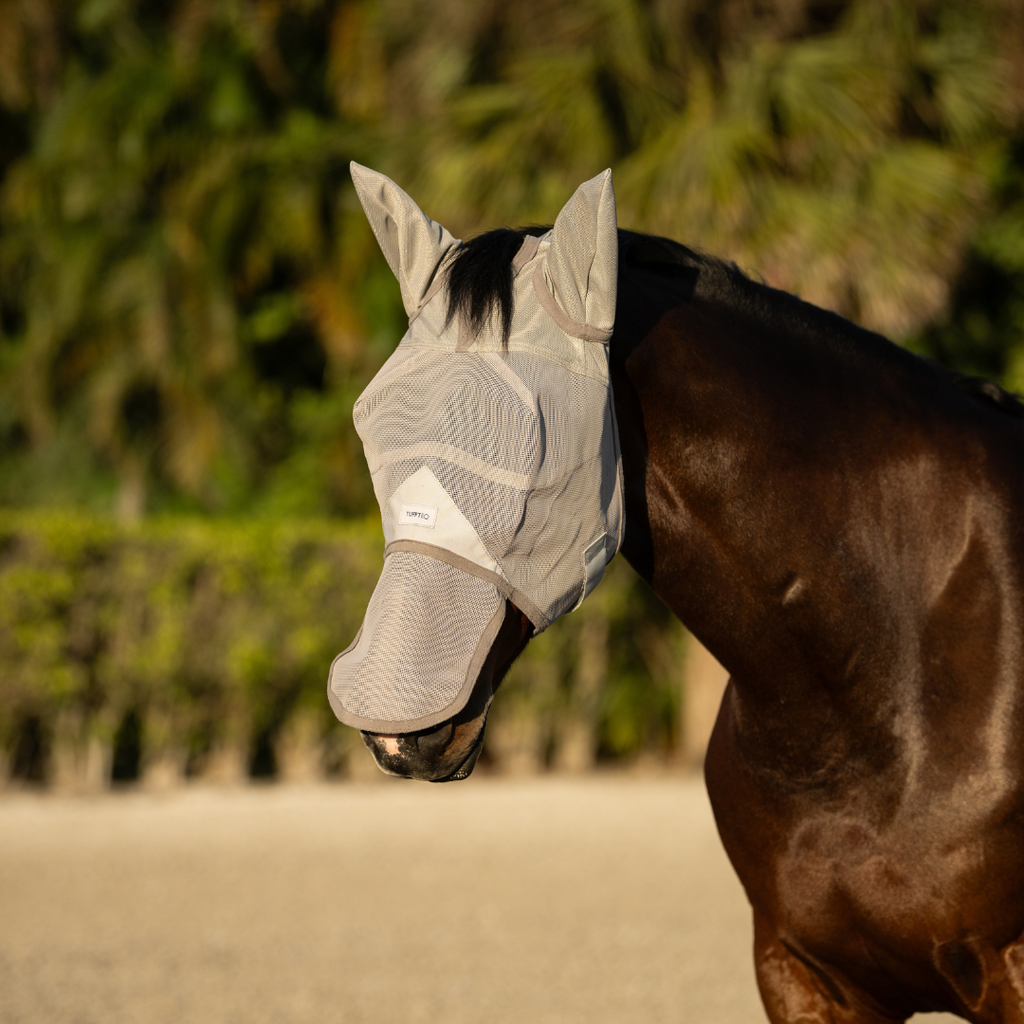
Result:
{"points": [[496, 466]]}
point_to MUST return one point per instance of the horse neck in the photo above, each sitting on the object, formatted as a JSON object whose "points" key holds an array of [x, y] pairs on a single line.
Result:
{"points": [[805, 516]]}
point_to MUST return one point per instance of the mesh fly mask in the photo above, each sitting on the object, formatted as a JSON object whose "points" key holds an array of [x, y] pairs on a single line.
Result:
{"points": [[496, 466]]}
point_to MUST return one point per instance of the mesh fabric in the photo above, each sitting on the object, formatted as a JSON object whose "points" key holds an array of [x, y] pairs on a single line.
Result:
{"points": [[425, 621], [497, 471]]}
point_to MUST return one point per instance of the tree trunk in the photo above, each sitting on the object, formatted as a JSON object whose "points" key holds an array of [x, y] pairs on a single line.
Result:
{"points": [[515, 742], [577, 747], [227, 762], [299, 749], [164, 754], [82, 753], [704, 682]]}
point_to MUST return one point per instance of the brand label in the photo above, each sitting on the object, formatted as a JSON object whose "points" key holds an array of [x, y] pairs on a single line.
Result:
{"points": [[418, 515]]}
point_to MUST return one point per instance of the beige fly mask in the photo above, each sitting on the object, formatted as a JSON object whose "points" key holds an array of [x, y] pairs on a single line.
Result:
{"points": [[496, 465]]}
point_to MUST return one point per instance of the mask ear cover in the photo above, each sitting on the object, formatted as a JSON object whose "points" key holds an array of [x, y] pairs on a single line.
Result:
{"points": [[414, 245], [582, 263]]}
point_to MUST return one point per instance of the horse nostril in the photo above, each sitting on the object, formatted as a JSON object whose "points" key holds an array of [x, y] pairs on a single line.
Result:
{"points": [[431, 744], [381, 744]]}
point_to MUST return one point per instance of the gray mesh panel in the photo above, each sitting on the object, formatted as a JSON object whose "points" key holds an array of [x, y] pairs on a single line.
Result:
{"points": [[550, 487], [421, 630]]}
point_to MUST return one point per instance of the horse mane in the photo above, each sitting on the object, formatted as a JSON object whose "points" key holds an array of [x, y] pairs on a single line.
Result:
{"points": [[480, 287], [480, 278]]}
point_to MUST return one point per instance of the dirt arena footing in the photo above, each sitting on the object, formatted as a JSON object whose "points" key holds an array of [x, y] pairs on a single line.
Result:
{"points": [[595, 899]]}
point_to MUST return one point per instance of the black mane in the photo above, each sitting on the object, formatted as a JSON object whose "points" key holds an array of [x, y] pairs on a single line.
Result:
{"points": [[480, 277], [480, 286]]}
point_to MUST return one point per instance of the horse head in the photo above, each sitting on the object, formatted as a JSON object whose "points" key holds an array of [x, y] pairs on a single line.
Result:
{"points": [[491, 440]]}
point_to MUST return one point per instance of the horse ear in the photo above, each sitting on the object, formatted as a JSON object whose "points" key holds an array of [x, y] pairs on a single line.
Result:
{"points": [[412, 243], [583, 260]]}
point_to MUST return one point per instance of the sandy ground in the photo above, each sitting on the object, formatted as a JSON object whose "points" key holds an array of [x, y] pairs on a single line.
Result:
{"points": [[551, 900]]}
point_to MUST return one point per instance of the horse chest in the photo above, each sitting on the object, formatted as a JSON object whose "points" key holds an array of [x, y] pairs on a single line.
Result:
{"points": [[898, 891]]}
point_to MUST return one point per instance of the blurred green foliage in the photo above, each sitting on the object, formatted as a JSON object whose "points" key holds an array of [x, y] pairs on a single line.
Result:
{"points": [[190, 298], [207, 630], [209, 634]]}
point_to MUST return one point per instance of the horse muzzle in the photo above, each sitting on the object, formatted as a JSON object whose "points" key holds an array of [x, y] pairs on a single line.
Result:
{"points": [[449, 751], [445, 753]]}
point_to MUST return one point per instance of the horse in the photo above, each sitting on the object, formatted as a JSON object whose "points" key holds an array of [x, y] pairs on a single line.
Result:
{"points": [[839, 521]]}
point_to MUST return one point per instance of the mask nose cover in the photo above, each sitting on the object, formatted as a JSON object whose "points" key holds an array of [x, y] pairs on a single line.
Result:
{"points": [[427, 631], [496, 466]]}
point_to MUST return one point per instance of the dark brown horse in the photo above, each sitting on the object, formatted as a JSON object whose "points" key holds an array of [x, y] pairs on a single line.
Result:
{"points": [[840, 523]]}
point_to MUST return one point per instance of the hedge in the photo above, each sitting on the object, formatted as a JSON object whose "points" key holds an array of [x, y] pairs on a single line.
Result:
{"points": [[200, 648]]}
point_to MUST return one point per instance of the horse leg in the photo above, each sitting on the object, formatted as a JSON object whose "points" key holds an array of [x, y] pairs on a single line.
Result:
{"points": [[998, 998], [796, 991], [988, 981]]}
